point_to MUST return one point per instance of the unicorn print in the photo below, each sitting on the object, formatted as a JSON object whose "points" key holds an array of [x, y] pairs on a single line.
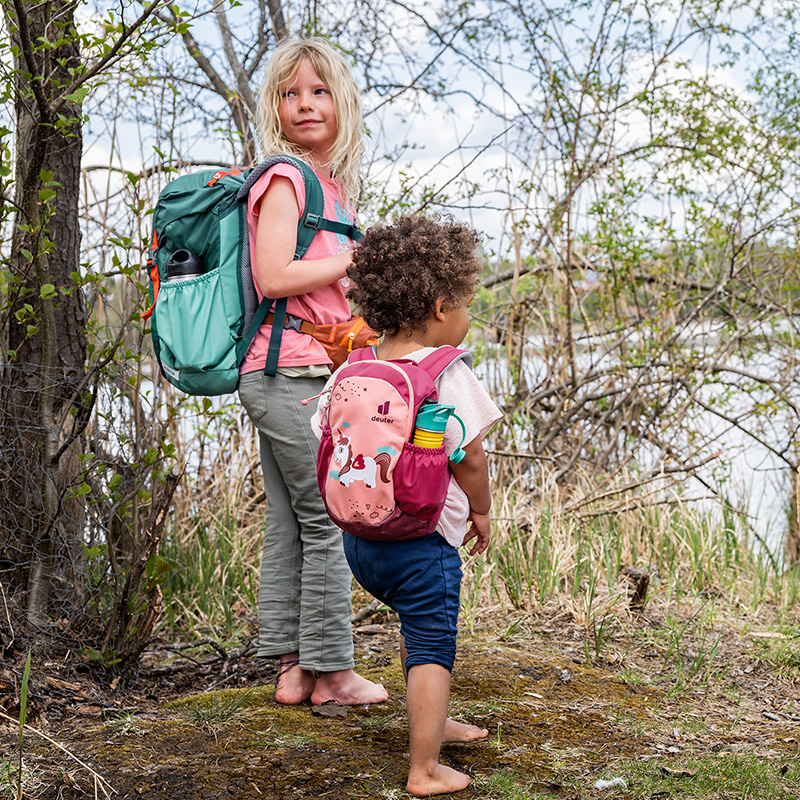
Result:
{"points": [[359, 467]]}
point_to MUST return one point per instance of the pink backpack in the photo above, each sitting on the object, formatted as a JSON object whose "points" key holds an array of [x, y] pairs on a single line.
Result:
{"points": [[375, 483]]}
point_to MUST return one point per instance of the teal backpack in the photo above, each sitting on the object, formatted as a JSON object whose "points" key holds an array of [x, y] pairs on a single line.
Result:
{"points": [[205, 310]]}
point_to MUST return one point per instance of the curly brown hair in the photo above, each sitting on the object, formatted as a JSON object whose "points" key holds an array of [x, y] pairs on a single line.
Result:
{"points": [[400, 269]]}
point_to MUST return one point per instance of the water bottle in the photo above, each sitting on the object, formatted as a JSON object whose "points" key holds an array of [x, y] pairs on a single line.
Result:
{"points": [[430, 424], [183, 264]]}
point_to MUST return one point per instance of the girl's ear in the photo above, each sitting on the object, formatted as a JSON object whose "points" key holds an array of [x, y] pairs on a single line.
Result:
{"points": [[439, 311]]}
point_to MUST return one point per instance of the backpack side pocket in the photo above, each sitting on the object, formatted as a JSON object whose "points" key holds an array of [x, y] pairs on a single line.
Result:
{"points": [[421, 478], [197, 348]]}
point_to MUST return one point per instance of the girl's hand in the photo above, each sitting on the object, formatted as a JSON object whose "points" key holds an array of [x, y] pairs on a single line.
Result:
{"points": [[479, 529]]}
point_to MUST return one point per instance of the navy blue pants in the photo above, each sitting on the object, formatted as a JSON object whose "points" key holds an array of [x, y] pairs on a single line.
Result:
{"points": [[421, 580]]}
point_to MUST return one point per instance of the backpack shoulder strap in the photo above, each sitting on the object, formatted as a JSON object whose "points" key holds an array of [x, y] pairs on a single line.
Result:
{"points": [[362, 354], [434, 364], [438, 361]]}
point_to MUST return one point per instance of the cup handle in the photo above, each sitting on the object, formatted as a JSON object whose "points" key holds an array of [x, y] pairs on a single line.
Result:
{"points": [[458, 454]]}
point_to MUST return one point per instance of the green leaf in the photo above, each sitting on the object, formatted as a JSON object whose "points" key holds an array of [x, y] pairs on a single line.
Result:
{"points": [[45, 195], [78, 96], [45, 176], [23, 696], [156, 567], [90, 654], [48, 291], [24, 313]]}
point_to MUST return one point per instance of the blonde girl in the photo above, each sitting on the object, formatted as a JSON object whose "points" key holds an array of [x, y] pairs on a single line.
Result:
{"points": [[309, 108]]}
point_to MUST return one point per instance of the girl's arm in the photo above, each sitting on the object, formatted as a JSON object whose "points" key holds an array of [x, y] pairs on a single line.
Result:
{"points": [[472, 475], [278, 274]]}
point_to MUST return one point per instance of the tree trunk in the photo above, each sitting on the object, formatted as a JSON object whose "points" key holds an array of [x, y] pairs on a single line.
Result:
{"points": [[42, 380]]}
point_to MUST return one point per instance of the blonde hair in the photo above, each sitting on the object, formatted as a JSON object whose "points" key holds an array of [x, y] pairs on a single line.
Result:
{"points": [[348, 149]]}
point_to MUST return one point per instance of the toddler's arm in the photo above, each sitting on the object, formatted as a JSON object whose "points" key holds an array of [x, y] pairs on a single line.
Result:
{"points": [[472, 475]]}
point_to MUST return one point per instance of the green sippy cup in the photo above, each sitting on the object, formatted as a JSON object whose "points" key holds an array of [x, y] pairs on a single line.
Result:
{"points": [[430, 427]]}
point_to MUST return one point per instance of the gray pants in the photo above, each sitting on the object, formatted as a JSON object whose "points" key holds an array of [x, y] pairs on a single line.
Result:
{"points": [[304, 593]]}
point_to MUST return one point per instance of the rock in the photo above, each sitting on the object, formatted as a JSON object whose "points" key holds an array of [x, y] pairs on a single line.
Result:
{"points": [[614, 783], [331, 708]]}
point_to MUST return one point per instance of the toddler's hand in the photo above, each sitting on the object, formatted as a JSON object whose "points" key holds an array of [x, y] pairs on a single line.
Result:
{"points": [[479, 530]]}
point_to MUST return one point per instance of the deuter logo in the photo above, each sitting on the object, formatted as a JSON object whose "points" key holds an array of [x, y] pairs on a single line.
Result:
{"points": [[383, 410]]}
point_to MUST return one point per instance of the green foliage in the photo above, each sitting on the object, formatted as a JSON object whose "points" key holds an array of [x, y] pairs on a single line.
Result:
{"points": [[219, 708], [23, 712], [781, 653], [215, 577], [508, 785], [713, 776]]}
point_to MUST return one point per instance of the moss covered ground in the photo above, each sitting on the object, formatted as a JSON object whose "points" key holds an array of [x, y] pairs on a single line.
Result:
{"points": [[562, 714]]}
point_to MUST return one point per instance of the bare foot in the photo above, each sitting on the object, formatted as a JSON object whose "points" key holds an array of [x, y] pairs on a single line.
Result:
{"points": [[347, 688], [441, 781], [294, 684], [459, 732]]}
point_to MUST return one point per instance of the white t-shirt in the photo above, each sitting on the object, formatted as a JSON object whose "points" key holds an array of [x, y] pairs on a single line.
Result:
{"points": [[456, 386]]}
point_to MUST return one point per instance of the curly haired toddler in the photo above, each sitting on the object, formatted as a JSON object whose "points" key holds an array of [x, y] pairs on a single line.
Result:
{"points": [[413, 281]]}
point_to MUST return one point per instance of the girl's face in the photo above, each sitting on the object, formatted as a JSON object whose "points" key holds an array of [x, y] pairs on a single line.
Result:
{"points": [[306, 112]]}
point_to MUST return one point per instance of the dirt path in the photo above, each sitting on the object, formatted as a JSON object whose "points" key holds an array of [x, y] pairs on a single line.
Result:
{"points": [[556, 723]]}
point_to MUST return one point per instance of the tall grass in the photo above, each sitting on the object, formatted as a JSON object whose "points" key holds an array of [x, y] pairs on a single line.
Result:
{"points": [[214, 537], [539, 556], [214, 586], [544, 555], [541, 553]]}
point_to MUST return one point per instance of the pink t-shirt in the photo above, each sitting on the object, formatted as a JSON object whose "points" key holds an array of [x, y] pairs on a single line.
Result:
{"points": [[322, 306]]}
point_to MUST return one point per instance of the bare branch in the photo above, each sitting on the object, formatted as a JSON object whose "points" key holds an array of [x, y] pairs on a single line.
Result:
{"points": [[113, 54]]}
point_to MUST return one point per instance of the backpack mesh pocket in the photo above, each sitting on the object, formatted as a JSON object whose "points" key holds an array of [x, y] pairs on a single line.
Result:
{"points": [[187, 319]]}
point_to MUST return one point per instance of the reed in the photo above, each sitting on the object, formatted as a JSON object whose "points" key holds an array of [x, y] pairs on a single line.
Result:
{"points": [[214, 586], [544, 555], [563, 551]]}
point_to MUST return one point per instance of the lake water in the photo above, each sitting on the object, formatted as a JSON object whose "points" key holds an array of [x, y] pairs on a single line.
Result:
{"points": [[746, 473]]}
